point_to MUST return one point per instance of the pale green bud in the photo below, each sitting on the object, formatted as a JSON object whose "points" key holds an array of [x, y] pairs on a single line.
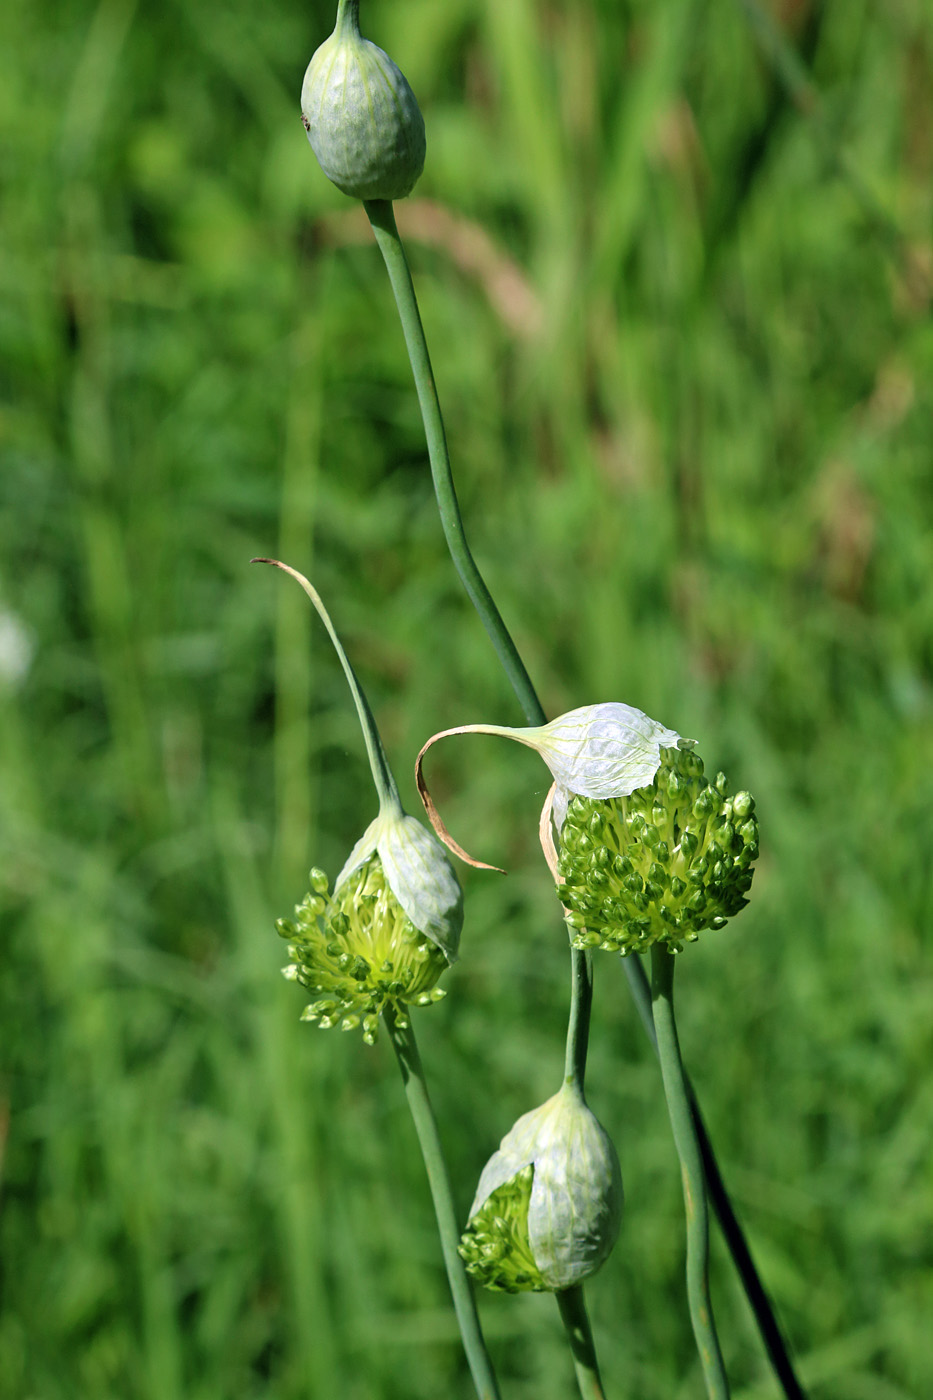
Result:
{"points": [[361, 116], [549, 1203], [417, 871]]}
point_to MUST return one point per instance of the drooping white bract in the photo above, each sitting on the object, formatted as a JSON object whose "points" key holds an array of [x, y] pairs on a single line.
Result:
{"points": [[597, 751]]}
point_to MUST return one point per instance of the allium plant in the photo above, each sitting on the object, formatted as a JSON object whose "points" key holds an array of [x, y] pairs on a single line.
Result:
{"points": [[644, 851]]}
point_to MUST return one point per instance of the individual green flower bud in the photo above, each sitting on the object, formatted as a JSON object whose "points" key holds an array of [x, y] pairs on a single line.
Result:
{"points": [[392, 924], [690, 849], [361, 116], [549, 1203]]}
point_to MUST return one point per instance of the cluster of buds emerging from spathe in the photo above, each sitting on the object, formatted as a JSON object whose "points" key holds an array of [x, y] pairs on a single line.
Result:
{"points": [[644, 849], [392, 923], [660, 864], [549, 1203]]}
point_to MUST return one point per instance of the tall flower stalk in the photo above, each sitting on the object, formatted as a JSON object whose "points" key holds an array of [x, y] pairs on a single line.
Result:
{"points": [[364, 125], [376, 947], [382, 219], [691, 1165]]}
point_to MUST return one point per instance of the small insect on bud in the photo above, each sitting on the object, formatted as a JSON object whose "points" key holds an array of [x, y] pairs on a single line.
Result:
{"points": [[392, 924], [549, 1203], [361, 116]]}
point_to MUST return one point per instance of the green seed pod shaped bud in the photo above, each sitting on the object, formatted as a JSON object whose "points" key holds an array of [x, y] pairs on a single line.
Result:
{"points": [[361, 116], [702, 880], [393, 922], [549, 1203]]}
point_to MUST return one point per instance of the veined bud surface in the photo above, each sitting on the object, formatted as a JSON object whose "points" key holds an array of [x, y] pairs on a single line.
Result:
{"points": [[549, 1203], [361, 116], [659, 864]]}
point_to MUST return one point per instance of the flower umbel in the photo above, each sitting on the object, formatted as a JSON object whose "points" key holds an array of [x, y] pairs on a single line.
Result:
{"points": [[392, 924], [549, 1203], [357, 952], [659, 864]]}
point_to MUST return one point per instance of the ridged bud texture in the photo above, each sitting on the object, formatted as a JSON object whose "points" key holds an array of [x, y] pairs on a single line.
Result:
{"points": [[659, 865], [358, 952], [362, 118]]}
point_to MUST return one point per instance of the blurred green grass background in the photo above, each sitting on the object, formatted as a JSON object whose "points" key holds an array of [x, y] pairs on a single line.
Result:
{"points": [[686, 362]]}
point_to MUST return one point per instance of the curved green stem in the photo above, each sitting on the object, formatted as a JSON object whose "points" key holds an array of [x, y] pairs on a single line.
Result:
{"points": [[578, 1026], [577, 1325], [383, 776], [382, 217], [405, 1046], [691, 1166]]}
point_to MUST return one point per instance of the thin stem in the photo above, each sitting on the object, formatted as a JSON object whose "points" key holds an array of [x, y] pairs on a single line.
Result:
{"points": [[578, 1026], [378, 762], [691, 1166], [382, 217], [734, 1235], [577, 1325], [402, 1036]]}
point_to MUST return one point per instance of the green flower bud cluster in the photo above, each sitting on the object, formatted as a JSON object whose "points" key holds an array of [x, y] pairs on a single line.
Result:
{"points": [[496, 1246], [358, 952], [660, 864], [549, 1202]]}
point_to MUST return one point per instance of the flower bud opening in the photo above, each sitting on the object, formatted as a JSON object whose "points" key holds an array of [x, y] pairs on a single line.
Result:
{"points": [[549, 1202], [660, 864], [357, 952]]}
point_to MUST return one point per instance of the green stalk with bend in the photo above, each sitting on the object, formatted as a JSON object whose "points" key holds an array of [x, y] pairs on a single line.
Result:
{"points": [[382, 218], [402, 1036], [691, 1166]]}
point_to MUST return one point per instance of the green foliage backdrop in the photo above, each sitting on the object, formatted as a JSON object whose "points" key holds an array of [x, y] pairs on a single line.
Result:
{"points": [[686, 358]]}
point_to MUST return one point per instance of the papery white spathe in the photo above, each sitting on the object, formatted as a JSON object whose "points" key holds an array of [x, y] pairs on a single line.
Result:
{"points": [[417, 871], [598, 751], [575, 1208]]}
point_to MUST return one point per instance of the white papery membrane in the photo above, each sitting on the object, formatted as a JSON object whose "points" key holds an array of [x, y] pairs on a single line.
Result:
{"points": [[576, 1195], [418, 873], [599, 751]]}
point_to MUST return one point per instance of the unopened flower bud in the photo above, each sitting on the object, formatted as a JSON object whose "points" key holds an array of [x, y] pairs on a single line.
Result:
{"points": [[549, 1203], [361, 116]]}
